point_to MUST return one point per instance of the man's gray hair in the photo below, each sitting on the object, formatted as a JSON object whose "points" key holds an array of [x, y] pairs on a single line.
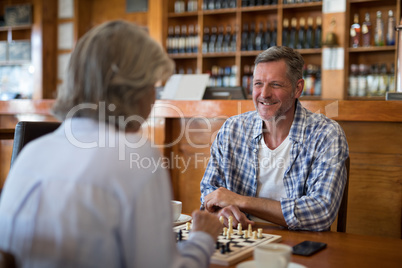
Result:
{"points": [[294, 61], [116, 63]]}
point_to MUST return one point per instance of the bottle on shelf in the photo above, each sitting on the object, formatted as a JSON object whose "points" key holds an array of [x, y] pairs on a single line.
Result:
{"points": [[227, 39], [233, 42], [318, 83], [218, 4], [251, 38], [373, 80], [366, 31], [225, 4], [204, 5], [259, 37], [192, 5], [176, 40], [383, 85], [353, 80], [179, 6], [309, 80], [259, 2], [247, 79], [182, 40], [355, 31], [266, 39], [391, 29], [233, 75], [211, 4], [205, 40], [379, 30], [251, 3], [309, 34], [190, 39], [196, 39], [318, 33], [285, 32], [301, 34], [391, 79], [244, 3], [232, 3], [274, 34], [293, 33], [244, 37], [169, 39], [212, 39], [219, 40], [362, 81]]}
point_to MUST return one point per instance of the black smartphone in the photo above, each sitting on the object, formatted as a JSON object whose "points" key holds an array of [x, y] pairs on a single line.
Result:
{"points": [[307, 248]]}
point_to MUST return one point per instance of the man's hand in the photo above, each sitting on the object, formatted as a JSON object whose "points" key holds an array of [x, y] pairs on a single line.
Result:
{"points": [[238, 216], [220, 198], [206, 222]]}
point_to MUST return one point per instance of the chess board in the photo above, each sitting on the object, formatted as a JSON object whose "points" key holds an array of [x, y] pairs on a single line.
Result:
{"points": [[240, 248]]}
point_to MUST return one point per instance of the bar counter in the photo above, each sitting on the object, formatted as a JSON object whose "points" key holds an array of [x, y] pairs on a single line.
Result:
{"points": [[184, 131]]}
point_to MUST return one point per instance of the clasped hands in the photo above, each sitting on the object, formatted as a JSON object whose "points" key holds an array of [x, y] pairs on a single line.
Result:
{"points": [[223, 202]]}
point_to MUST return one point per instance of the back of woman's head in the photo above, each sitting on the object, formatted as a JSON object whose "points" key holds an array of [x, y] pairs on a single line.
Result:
{"points": [[113, 67]]}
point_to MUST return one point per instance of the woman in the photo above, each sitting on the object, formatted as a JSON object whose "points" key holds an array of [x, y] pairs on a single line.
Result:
{"points": [[73, 198]]}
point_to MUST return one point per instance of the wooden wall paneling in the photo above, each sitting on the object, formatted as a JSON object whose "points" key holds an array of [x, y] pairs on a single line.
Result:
{"points": [[375, 187], [106, 10], [37, 51], [49, 50], [83, 19], [157, 13], [333, 81]]}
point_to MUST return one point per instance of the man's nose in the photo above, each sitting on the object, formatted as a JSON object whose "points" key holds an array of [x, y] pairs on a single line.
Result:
{"points": [[266, 91]]}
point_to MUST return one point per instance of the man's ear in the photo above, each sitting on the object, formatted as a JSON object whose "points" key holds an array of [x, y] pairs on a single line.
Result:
{"points": [[299, 88]]}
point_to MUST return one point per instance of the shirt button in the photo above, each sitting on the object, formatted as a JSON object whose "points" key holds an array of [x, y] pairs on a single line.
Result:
{"points": [[255, 150]]}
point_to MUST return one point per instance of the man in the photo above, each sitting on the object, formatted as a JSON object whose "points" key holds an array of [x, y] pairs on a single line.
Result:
{"points": [[280, 163]]}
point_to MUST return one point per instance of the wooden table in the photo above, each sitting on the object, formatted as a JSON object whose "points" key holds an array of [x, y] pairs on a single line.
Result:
{"points": [[343, 249]]}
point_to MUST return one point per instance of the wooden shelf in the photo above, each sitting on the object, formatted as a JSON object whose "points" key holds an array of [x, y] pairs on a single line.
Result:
{"points": [[219, 11], [259, 8], [302, 5], [183, 56], [371, 49], [15, 28], [15, 62], [183, 14]]}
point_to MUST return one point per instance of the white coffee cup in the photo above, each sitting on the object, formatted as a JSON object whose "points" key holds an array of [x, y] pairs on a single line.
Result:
{"points": [[176, 208], [272, 255]]}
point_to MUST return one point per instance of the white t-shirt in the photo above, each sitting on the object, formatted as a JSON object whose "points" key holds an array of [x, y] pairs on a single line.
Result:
{"points": [[272, 167]]}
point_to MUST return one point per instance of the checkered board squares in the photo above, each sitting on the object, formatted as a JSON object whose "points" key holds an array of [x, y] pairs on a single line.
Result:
{"points": [[240, 248]]}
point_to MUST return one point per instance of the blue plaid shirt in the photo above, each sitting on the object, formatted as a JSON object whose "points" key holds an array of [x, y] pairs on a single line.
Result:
{"points": [[314, 181]]}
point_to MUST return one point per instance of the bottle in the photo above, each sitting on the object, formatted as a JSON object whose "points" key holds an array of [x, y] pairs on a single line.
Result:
{"points": [[318, 33], [246, 79], [309, 81], [219, 40], [379, 30], [192, 5], [196, 39], [317, 86], [227, 39], [182, 40], [251, 3], [232, 3], [355, 31], [373, 80], [391, 79], [285, 33], [233, 40], [176, 40], [205, 40], [366, 31], [190, 39], [233, 75], [218, 4], [353, 81], [179, 6], [266, 39], [301, 34], [211, 4], [274, 35], [258, 37], [293, 32], [244, 3], [169, 39], [251, 38], [309, 43], [391, 29], [362, 81], [212, 39], [383, 80], [244, 37]]}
